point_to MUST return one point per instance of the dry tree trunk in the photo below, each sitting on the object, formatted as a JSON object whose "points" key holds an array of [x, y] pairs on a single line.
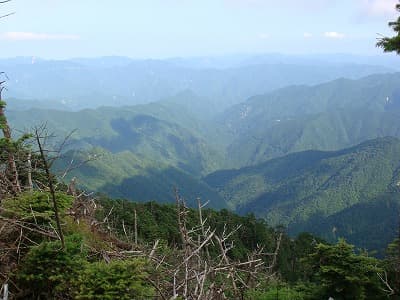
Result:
{"points": [[29, 170], [5, 291], [135, 227], [51, 186]]}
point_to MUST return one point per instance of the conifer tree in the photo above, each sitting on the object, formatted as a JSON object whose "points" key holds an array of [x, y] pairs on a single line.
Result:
{"points": [[392, 44]]}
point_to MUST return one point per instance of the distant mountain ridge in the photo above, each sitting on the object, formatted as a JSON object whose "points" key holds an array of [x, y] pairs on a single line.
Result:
{"points": [[118, 81], [328, 116]]}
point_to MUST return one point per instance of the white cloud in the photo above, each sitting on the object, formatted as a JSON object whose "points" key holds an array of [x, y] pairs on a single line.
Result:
{"points": [[334, 35], [263, 36], [379, 7], [307, 35], [32, 36]]}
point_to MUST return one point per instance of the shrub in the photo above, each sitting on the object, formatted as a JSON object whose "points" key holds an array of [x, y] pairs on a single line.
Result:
{"points": [[126, 279], [49, 272], [282, 291], [36, 207], [343, 274]]}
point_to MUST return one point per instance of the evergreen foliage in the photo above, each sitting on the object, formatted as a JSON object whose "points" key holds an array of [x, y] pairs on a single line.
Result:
{"points": [[392, 267], [48, 272], [283, 291], [125, 280], [157, 221], [392, 44], [36, 206], [345, 275]]}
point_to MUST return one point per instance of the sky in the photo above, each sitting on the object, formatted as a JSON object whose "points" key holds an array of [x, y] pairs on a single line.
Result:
{"points": [[182, 28]]}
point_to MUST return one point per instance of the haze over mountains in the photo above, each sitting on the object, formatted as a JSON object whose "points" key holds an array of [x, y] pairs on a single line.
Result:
{"points": [[118, 81], [311, 142]]}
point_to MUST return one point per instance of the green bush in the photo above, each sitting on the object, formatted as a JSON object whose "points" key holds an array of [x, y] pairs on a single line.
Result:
{"points": [[117, 280], [48, 272], [36, 207], [343, 274], [283, 291]]}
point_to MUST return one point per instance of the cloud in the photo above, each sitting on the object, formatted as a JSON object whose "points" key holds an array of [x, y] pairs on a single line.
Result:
{"points": [[263, 36], [378, 8], [334, 35], [32, 36], [307, 35]]}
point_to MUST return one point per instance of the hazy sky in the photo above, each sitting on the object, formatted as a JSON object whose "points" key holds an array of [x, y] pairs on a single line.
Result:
{"points": [[166, 28]]}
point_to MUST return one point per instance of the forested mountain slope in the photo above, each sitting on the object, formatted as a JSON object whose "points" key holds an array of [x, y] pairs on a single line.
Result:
{"points": [[142, 152], [125, 175], [352, 192], [138, 129], [329, 116]]}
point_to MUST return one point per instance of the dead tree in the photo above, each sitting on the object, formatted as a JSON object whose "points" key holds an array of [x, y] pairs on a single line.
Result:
{"points": [[50, 181], [195, 274], [201, 267], [48, 155], [4, 289]]}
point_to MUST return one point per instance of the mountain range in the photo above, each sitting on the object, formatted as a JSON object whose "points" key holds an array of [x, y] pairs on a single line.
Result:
{"points": [[321, 157], [119, 81]]}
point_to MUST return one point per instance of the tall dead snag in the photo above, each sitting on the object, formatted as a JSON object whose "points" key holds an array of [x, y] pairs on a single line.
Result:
{"points": [[50, 180], [10, 174], [4, 289], [135, 228]]}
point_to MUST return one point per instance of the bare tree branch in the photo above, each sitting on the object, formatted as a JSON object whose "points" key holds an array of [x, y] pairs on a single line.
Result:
{"points": [[51, 186]]}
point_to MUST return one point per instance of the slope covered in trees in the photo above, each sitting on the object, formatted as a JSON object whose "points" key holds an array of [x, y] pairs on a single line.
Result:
{"points": [[129, 176], [331, 194], [128, 129], [330, 116]]}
